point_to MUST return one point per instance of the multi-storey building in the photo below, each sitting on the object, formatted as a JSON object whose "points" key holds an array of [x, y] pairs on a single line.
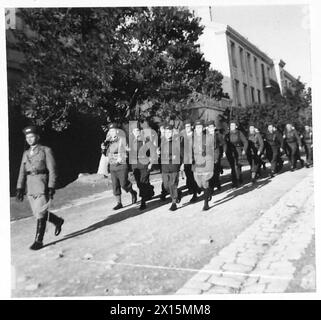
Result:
{"points": [[285, 79], [249, 73]]}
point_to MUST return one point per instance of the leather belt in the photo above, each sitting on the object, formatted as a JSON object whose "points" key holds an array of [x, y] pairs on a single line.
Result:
{"points": [[36, 172]]}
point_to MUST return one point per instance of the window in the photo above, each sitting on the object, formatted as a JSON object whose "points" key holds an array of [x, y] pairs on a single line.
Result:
{"points": [[237, 92], [246, 98], [259, 96], [252, 95], [249, 67], [255, 68], [263, 73], [268, 72], [233, 54], [242, 59]]}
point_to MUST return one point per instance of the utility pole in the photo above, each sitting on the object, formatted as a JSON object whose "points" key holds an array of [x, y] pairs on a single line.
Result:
{"points": [[211, 18]]}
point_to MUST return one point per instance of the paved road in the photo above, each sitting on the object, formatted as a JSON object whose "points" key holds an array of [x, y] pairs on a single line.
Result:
{"points": [[129, 252]]}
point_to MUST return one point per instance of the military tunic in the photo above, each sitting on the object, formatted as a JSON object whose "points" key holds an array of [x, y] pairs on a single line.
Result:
{"points": [[171, 159], [307, 140], [187, 140], [37, 174], [235, 143], [291, 143], [144, 153], [256, 144], [273, 143], [203, 153], [118, 166]]}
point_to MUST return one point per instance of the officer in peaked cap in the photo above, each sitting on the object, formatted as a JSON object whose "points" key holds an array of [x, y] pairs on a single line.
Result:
{"points": [[117, 158], [37, 178], [307, 141], [187, 138], [141, 159], [171, 161], [236, 146], [273, 148], [218, 143], [255, 150]]}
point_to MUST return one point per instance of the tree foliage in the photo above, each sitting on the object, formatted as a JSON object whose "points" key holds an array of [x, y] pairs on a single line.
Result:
{"points": [[294, 107], [105, 61]]}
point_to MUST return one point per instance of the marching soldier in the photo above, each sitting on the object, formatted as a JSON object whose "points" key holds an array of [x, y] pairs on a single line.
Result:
{"points": [[218, 143], [307, 141], [141, 152], [203, 158], [292, 143], [118, 167], [171, 160], [236, 145], [187, 136], [255, 150], [37, 178], [273, 143]]}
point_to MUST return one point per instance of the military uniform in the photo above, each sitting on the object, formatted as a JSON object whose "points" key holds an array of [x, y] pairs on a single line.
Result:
{"points": [[37, 178], [307, 141], [292, 142], [203, 159], [171, 160], [143, 150], [236, 142], [187, 139], [118, 167], [256, 145], [273, 143], [218, 143]]}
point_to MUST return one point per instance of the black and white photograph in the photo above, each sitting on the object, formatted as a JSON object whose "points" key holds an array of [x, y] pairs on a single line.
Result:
{"points": [[162, 150]]}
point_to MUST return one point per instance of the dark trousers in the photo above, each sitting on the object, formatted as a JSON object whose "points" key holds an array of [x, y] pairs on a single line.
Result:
{"points": [[273, 155], [308, 153], [215, 180], [141, 174], [293, 153], [119, 179], [190, 181], [254, 160], [232, 154], [170, 182]]}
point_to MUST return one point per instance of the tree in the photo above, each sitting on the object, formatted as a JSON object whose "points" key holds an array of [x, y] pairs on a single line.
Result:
{"points": [[294, 107], [104, 61]]}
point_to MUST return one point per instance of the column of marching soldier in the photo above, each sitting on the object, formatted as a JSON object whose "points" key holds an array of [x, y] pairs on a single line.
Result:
{"points": [[197, 150]]}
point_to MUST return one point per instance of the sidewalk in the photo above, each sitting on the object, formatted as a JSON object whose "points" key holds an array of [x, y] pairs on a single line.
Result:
{"points": [[262, 258]]}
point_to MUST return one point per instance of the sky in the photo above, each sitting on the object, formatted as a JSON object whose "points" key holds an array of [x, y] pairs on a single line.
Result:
{"points": [[281, 31]]}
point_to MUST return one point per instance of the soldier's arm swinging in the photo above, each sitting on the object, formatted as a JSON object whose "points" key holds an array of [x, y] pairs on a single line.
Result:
{"points": [[51, 166]]}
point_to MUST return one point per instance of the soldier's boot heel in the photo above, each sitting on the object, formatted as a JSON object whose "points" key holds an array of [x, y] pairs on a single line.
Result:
{"points": [[194, 198], [57, 221], [142, 205], [40, 232], [179, 196], [207, 198], [173, 207]]}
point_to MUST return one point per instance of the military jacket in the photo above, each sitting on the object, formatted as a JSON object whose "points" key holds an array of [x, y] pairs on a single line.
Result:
{"points": [[37, 171]]}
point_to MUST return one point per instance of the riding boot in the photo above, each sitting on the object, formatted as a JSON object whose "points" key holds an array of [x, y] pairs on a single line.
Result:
{"points": [[206, 199], [142, 204], [57, 221], [119, 204], [41, 228]]}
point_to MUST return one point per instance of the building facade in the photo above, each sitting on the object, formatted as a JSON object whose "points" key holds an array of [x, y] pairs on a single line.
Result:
{"points": [[249, 74], [285, 79]]}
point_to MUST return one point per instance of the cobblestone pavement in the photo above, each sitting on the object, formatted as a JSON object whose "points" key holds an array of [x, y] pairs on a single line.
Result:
{"points": [[262, 258]]}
